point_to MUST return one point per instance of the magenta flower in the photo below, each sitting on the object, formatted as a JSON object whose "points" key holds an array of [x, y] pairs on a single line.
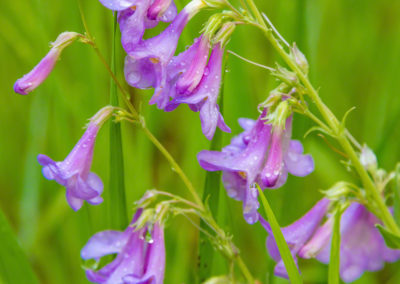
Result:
{"points": [[204, 97], [74, 172], [134, 16], [138, 260], [147, 63], [243, 162], [296, 234], [362, 246], [40, 72]]}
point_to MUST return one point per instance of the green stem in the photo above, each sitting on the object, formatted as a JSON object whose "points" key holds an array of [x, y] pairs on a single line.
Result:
{"points": [[331, 121], [245, 271]]}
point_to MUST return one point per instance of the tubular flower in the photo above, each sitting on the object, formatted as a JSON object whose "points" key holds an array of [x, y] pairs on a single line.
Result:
{"points": [[204, 97], [39, 73], [134, 16], [147, 63], [74, 172], [296, 234], [243, 162], [138, 260], [362, 247]]}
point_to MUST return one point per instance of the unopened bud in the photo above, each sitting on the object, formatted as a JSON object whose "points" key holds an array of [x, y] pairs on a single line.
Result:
{"points": [[225, 33], [215, 3], [339, 190], [285, 75], [368, 158], [299, 58]]}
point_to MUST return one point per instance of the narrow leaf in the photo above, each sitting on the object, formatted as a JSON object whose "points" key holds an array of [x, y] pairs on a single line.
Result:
{"points": [[211, 197], [334, 261], [391, 240], [396, 193], [117, 213], [14, 265], [283, 247]]}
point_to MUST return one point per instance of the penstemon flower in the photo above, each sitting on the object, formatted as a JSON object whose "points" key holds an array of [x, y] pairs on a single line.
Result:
{"points": [[41, 71], [147, 63], [74, 172], [296, 234], [245, 160], [138, 260], [204, 97], [362, 246], [134, 16]]}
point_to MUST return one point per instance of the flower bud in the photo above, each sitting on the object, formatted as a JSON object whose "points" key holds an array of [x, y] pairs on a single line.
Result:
{"points": [[299, 58], [39, 73], [368, 158], [225, 33]]}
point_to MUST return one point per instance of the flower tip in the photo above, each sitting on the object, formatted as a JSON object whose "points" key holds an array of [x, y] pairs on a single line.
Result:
{"points": [[22, 89]]}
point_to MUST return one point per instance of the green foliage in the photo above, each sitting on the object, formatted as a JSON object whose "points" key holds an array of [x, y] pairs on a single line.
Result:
{"points": [[334, 261]]}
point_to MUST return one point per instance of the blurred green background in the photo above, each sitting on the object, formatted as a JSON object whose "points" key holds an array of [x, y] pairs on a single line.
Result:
{"points": [[353, 47]]}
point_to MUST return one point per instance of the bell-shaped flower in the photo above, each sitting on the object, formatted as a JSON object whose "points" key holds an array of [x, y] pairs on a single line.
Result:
{"points": [[74, 172], [247, 160], [204, 97], [139, 259], [362, 247], [41, 71], [296, 234], [147, 64], [241, 162], [285, 155]]}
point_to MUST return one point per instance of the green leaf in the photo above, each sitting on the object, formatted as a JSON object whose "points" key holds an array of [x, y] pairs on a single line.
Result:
{"points": [[117, 201], [334, 261], [14, 265], [391, 240], [211, 197], [287, 257]]}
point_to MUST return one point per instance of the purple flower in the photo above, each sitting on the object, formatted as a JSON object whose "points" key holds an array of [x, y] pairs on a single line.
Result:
{"points": [[204, 97], [147, 63], [247, 160], [74, 172], [138, 260], [362, 246], [296, 234], [39, 73]]}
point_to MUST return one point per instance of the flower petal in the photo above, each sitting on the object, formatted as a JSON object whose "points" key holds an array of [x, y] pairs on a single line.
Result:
{"points": [[296, 163], [104, 243], [118, 5]]}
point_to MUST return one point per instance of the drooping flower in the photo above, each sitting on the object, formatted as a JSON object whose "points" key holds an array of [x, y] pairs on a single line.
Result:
{"points": [[296, 234], [243, 162], [147, 63], [204, 97], [74, 172], [362, 247], [138, 259], [135, 16], [41, 71]]}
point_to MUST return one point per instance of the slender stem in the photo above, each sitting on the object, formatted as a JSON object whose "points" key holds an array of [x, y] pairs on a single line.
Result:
{"points": [[331, 121], [244, 269]]}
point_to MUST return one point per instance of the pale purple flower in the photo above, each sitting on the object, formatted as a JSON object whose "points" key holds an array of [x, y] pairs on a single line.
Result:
{"points": [[296, 234], [139, 260], [74, 172], [243, 162], [41, 71], [362, 246], [147, 63], [204, 97]]}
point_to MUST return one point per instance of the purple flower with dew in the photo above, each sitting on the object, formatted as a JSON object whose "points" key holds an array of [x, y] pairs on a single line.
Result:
{"points": [[138, 259], [39, 73], [147, 64], [362, 247], [296, 234], [163, 10], [74, 172], [240, 162], [204, 97], [246, 161]]}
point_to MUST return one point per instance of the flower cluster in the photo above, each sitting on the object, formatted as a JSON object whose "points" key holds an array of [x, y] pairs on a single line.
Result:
{"points": [[362, 246], [261, 154]]}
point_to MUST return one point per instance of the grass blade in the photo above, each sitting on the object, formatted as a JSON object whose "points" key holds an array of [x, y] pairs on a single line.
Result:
{"points": [[117, 201], [14, 265], [334, 261], [283, 247]]}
